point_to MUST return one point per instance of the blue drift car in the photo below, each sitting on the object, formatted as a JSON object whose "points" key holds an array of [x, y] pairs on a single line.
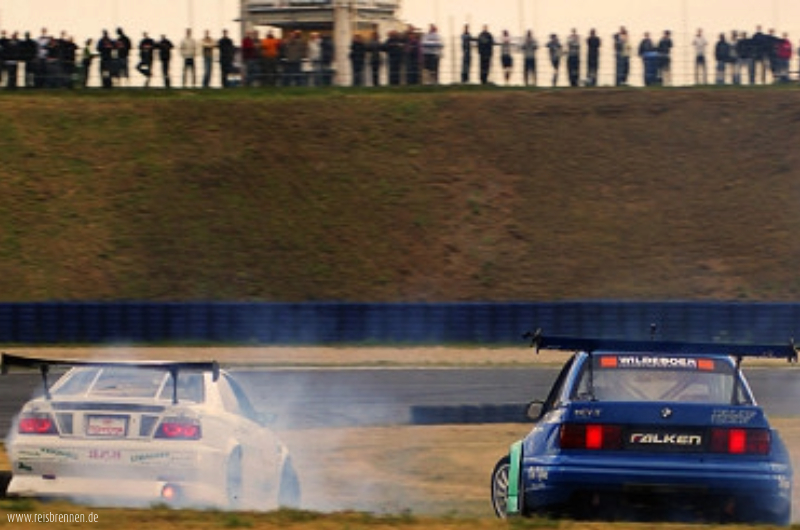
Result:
{"points": [[649, 431]]}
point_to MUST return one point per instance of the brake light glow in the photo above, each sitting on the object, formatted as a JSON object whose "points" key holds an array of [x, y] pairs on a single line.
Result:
{"points": [[179, 429], [37, 424], [591, 436], [741, 441]]}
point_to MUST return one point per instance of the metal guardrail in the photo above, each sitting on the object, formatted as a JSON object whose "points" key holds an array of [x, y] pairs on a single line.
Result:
{"points": [[482, 323]]}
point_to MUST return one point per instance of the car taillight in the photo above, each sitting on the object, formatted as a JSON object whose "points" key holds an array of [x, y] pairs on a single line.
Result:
{"points": [[179, 429], [37, 424], [741, 441], [591, 436]]}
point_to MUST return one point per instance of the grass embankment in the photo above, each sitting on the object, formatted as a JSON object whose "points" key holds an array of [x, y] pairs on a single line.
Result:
{"points": [[400, 195]]}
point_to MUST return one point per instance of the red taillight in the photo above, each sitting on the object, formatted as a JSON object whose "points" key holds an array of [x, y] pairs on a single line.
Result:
{"points": [[741, 441], [37, 424], [179, 429], [591, 436]]}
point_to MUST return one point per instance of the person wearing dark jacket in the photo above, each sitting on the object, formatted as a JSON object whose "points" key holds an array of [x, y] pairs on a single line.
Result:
{"points": [[165, 47], [394, 48], [105, 48], [485, 52], [145, 67], [722, 55], [358, 54], [227, 52]]}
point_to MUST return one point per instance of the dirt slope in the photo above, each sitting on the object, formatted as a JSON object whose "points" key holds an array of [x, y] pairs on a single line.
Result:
{"points": [[401, 196]]}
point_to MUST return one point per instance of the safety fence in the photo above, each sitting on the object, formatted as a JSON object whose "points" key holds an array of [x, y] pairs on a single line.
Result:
{"points": [[489, 323]]}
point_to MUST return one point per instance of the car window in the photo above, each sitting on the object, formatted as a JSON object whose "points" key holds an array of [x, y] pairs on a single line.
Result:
{"points": [[128, 382], [651, 378], [243, 402], [558, 386]]}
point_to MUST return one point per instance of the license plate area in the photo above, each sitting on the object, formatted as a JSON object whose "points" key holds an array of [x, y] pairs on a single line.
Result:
{"points": [[107, 426]]}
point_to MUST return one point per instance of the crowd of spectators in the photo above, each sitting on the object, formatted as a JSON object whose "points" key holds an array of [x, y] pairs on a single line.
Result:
{"points": [[408, 57]]}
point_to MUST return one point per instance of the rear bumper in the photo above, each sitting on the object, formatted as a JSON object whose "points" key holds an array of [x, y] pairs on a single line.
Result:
{"points": [[116, 472], [753, 491]]}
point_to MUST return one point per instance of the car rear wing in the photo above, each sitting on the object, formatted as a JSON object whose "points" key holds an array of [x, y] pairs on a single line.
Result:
{"points": [[8, 360], [539, 341]]}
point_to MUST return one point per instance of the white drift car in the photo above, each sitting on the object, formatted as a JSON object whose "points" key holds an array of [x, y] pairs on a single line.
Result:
{"points": [[141, 433]]}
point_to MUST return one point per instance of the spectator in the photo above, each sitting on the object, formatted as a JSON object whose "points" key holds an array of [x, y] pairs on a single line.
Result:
{"points": [[783, 54], [358, 53], [395, 50], [123, 47], [621, 56], [315, 58], [431, 52], [12, 51], [556, 51], [466, 54], [250, 58], [733, 58], [762, 53], [69, 55], [746, 54], [722, 56], [413, 56], [700, 44], [328, 50], [30, 50], [374, 47], [41, 74], [227, 52], [529, 47], [105, 48], [189, 52], [506, 59], [665, 51], [574, 58], [145, 66], [86, 61], [295, 51], [207, 45], [165, 47], [270, 56], [485, 52], [592, 58]]}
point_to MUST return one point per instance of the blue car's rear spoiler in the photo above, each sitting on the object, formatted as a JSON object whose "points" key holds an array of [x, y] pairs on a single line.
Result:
{"points": [[8, 360], [539, 341]]}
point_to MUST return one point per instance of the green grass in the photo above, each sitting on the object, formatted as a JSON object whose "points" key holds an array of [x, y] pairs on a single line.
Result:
{"points": [[440, 194]]}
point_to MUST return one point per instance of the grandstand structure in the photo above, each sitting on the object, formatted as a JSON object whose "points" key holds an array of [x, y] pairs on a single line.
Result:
{"points": [[339, 18]]}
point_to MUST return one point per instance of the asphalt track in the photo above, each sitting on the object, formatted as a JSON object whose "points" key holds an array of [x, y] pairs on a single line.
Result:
{"points": [[309, 398]]}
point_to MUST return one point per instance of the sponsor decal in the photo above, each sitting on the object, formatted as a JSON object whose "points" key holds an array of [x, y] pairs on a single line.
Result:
{"points": [[653, 438], [59, 453], [104, 454], [537, 474], [732, 416], [587, 412], [643, 361], [149, 457], [24, 467]]}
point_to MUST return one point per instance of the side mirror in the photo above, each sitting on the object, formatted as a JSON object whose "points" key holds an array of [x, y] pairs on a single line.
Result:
{"points": [[534, 410]]}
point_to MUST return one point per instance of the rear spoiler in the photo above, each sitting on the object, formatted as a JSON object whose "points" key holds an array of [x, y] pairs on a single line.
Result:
{"points": [[539, 341], [8, 360]]}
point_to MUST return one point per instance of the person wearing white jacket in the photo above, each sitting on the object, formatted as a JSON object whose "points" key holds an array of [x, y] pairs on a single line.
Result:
{"points": [[188, 49], [432, 46]]}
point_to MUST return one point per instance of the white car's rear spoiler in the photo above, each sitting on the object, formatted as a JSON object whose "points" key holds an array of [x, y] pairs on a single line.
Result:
{"points": [[8, 360]]}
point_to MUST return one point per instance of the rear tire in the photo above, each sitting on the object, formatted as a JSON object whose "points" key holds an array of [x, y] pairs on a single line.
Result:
{"points": [[500, 487], [289, 490], [233, 478]]}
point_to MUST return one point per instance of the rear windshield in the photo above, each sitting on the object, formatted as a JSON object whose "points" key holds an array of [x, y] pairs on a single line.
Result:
{"points": [[643, 378], [115, 382]]}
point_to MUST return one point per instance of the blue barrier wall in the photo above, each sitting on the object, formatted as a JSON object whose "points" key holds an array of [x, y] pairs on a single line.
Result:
{"points": [[394, 323]]}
